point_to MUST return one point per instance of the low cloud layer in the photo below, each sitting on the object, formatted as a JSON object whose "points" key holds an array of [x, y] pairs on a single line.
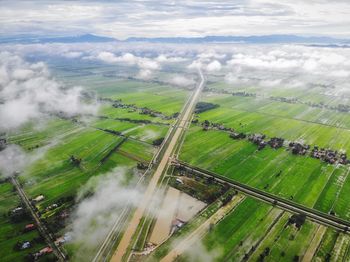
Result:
{"points": [[95, 215], [182, 81], [147, 66], [14, 160], [214, 66], [28, 92], [291, 67], [123, 19]]}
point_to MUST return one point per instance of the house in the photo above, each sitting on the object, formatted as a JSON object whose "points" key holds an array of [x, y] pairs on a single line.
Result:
{"points": [[276, 142], [328, 155], [298, 148], [234, 135], [29, 227], [177, 224], [343, 159], [46, 250], [17, 210], [178, 180], [39, 198], [51, 207], [26, 245], [258, 139]]}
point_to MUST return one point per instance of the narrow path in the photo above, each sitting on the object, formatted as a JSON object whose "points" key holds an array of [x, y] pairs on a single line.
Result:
{"points": [[197, 234], [316, 240]]}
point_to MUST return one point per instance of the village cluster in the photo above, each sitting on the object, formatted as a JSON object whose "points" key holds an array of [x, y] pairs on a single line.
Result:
{"points": [[141, 110], [20, 213], [297, 148]]}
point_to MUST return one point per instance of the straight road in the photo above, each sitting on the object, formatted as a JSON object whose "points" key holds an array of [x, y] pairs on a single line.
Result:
{"points": [[185, 117], [42, 229], [315, 215]]}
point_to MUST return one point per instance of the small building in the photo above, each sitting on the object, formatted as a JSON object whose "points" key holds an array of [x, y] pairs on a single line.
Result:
{"points": [[26, 245], [17, 210], [179, 180], [298, 148], [51, 207], [177, 224], [276, 142], [38, 198], [46, 250], [29, 227], [235, 135]]}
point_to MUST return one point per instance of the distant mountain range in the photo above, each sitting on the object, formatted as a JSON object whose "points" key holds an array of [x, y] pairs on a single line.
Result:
{"points": [[87, 38], [264, 39]]}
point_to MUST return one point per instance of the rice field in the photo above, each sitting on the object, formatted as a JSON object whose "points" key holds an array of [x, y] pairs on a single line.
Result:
{"points": [[89, 140], [294, 122], [255, 231]]}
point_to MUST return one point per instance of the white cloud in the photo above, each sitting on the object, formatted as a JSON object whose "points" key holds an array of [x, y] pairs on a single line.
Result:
{"points": [[72, 54], [144, 74], [147, 66], [95, 215], [195, 65], [166, 59], [28, 92], [146, 63], [123, 19], [214, 66], [289, 66], [180, 80], [12, 159]]}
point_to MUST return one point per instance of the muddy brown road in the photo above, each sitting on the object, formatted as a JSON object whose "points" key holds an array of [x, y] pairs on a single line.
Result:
{"points": [[197, 234], [152, 186]]}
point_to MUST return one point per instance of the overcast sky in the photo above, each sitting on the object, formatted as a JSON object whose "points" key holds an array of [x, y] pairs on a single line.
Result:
{"points": [[123, 19]]}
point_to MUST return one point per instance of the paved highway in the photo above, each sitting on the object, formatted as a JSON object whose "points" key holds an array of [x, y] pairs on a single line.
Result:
{"points": [[185, 117]]}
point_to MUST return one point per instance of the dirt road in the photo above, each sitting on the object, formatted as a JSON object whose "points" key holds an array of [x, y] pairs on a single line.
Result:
{"points": [[197, 234], [135, 220], [311, 250]]}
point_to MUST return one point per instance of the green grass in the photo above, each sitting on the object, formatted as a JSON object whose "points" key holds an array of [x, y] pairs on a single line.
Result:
{"points": [[35, 135], [200, 218], [235, 227], [304, 179], [10, 232], [291, 121], [286, 242], [54, 176], [326, 245]]}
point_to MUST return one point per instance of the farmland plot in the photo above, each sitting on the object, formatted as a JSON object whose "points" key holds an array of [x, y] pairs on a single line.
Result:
{"points": [[315, 126], [12, 232], [302, 179]]}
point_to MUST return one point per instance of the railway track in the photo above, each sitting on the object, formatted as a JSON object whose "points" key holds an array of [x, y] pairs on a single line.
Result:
{"points": [[315, 215]]}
